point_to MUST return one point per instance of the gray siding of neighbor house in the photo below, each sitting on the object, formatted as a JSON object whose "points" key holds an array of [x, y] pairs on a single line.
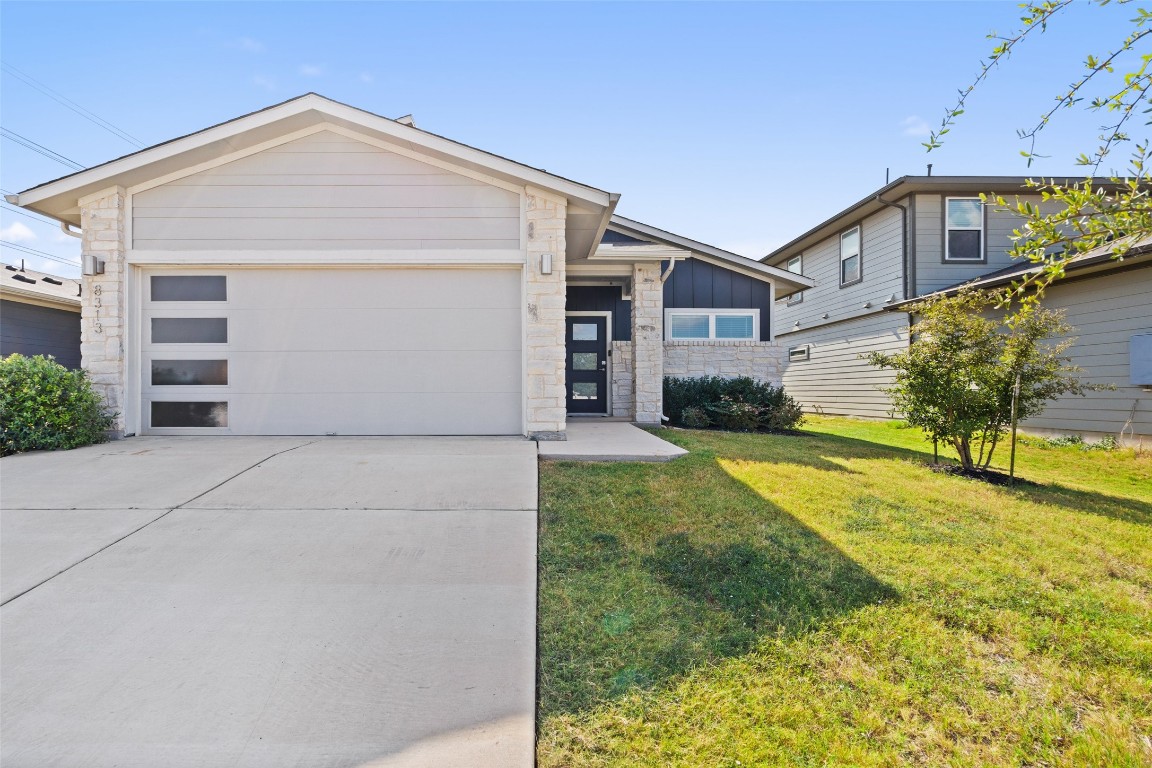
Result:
{"points": [[325, 192], [29, 329], [932, 272], [834, 380], [882, 271], [696, 284], [1105, 313], [603, 298]]}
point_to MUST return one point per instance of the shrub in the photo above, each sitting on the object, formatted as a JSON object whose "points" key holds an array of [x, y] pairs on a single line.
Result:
{"points": [[45, 406], [739, 404]]}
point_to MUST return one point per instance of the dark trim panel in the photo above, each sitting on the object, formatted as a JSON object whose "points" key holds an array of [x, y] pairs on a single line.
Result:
{"points": [[603, 298]]}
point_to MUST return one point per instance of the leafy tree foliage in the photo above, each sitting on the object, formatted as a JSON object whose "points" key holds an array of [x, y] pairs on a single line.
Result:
{"points": [[957, 378], [1077, 217]]}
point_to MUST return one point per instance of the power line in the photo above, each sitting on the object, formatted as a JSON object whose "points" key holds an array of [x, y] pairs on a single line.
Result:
{"points": [[39, 148], [35, 252], [12, 209], [64, 100]]}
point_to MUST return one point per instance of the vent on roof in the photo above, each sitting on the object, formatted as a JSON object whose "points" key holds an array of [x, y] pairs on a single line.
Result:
{"points": [[51, 280], [11, 268], [23, 279]]}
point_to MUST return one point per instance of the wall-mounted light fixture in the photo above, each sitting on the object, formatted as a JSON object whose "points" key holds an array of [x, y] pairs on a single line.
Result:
{"points": [[824, 316], [890, 299], [867, 305], [92, 265], [545, 263]]}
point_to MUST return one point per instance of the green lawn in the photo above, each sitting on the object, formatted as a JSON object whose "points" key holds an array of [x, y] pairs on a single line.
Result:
{"points": [[825, 599]]}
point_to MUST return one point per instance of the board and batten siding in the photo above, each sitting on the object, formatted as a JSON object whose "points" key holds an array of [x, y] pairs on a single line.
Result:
{"points": [[325, 191], [1105, 313], [835, 380], [696, 284], [883, 277]]}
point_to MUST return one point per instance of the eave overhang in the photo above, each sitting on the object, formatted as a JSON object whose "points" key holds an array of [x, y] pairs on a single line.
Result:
{"points": [[58, 199]]}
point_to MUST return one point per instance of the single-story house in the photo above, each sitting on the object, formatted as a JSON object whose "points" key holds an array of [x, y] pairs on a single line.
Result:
{"points": [[39, 315], [313, 268], [921, 235]]}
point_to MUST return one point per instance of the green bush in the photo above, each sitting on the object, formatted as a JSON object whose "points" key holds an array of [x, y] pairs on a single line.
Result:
{"points": [[741, 404], [45, 406]]}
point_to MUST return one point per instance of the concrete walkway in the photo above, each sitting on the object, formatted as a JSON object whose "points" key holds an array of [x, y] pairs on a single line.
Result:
{"points": [[235, 601], [595, 440]]}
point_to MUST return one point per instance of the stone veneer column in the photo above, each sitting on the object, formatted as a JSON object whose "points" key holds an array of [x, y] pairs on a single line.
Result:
{"points": [[648, 342], [547, 400], [102, 299]]}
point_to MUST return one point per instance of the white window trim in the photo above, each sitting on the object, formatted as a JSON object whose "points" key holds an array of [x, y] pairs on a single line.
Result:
{"points": [[712, 313], [948, 228], [797, 297], [859, 254]]}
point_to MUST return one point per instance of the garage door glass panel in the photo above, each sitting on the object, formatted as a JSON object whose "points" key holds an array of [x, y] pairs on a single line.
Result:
{"points": [[189, 330], [189, 372], [189, 414], [189, 288]]}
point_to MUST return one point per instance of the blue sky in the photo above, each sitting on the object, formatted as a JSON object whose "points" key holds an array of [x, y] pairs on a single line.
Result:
{"points": [[738, 124]]}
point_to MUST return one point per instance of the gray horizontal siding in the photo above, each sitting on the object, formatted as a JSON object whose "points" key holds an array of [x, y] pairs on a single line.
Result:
{"points": [[834, 379], [696, 284], [882, 260], [29, 329], [1105, 312], [932, 272], [325, 191]]}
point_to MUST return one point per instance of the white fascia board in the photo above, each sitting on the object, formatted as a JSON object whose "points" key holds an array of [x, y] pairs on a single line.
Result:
{"points": [[719, 256], [633, 253], [13, 293], [404, 135]]}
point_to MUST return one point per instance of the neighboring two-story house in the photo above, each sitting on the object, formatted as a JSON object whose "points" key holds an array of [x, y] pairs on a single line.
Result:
{"points": [[921, 235]]}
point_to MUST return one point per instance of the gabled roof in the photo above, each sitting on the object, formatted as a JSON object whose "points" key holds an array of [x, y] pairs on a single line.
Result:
{"points": [[892, 193], [29, 286], [787, 282], [58, 198], [1098, 260]]}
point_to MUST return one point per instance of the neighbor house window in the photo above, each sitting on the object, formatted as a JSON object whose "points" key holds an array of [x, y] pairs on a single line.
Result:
{"points": [[850, 257], [796, 266], [964, 229], [723, 324]]}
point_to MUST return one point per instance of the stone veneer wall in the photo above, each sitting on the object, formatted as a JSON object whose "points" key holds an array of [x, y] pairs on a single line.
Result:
{"points": [[102, 299], [622, 397], [547, 407], [762, 360], [647, 337]]}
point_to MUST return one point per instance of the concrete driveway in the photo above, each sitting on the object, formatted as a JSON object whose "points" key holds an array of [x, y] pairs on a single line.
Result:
{"points": [[206, 601]]}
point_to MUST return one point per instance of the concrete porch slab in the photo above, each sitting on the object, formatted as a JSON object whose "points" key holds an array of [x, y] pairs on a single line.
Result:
{"points": [[609, 441]]}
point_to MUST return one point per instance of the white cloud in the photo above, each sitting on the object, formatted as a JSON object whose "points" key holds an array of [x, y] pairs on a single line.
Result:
{"points": [[914, 125], [311, 70], [367, 77], [248, 45], [17, 233], [265, 82]]}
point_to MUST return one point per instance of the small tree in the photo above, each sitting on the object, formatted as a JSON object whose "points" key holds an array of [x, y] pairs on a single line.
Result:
{"points": [[957, 378]]}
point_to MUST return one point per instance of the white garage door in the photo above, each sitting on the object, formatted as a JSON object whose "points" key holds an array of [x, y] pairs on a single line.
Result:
{"points": [[332, 351]]}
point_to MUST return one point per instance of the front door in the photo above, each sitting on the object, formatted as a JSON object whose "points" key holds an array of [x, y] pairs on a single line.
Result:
{"points": [[586, 340]]}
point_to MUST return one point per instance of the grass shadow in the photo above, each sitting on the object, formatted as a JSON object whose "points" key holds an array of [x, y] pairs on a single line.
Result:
{"points": [[827, 452], [648, 571]]}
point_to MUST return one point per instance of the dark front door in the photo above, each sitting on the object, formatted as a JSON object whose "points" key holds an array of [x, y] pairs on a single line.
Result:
{"points": [[586, 342]]}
